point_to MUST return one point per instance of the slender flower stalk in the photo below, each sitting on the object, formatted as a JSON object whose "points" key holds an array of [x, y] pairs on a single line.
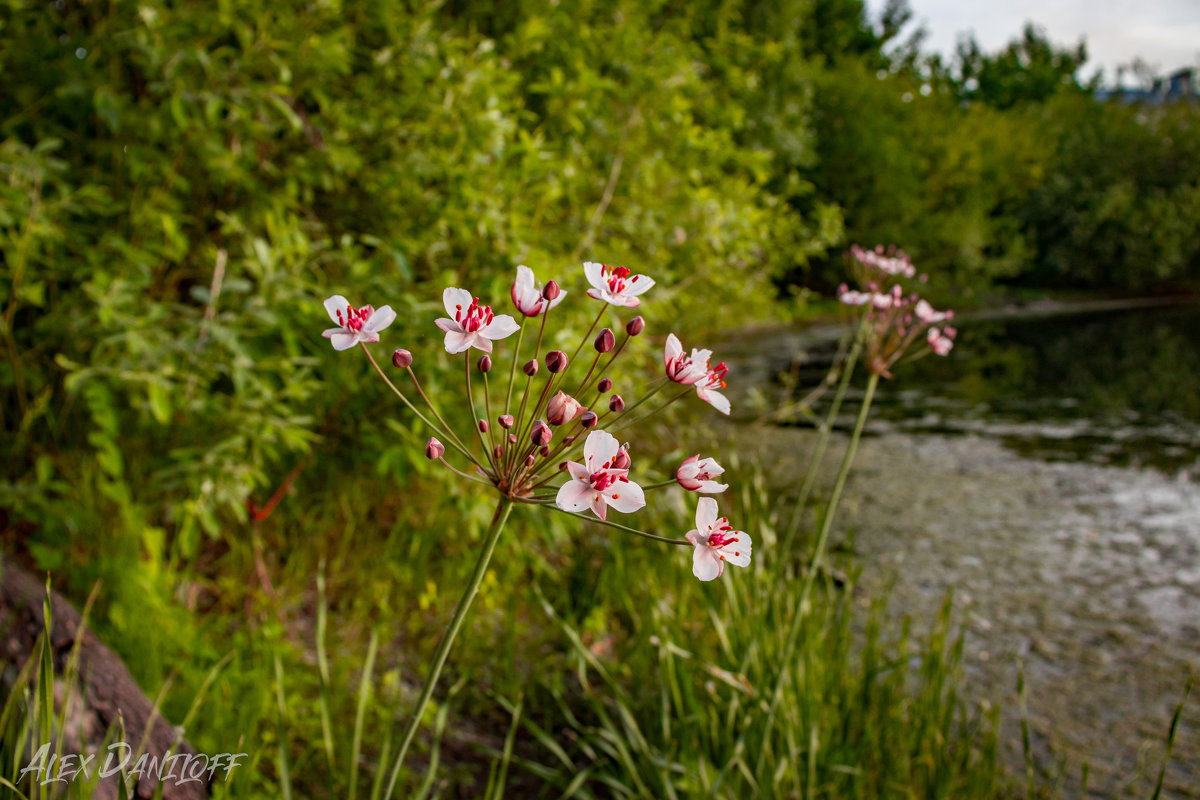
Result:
{"points": [[503, 507]]}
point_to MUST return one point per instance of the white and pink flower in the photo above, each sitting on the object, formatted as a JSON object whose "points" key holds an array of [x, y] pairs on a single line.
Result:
{"points": [[472, 324], [597, 483], [527, 294], [693, 370], [940, 341], [928, 315], [716, 542], [355, 325], [616, 285], [695, 474]]}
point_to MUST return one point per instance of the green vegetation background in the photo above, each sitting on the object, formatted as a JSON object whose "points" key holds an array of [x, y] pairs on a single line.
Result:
{"points": [[385, 150]]}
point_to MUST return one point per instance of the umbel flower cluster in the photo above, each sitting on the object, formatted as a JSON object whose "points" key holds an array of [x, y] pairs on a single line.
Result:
{"points": [[547, 434], [895, 319]]}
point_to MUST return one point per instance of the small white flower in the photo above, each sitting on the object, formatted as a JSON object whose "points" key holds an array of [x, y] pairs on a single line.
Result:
{"points": [[695, 475], [693, 370], [472, 325], [616, 285], [716, 542], [355, 324], [939, 342], [928, 315], [527, 294], [597, 483]]}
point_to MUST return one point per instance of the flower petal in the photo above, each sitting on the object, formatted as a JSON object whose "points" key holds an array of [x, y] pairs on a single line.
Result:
{"points": [[738, 553], [711, 487], [343, 340], [557, 300], [577, 471], [600, 447], [706, 515], [503, 325], [380, 319], [598, 506], [673, 348], [714, 398], [458, 341], [639, 286], [335, 304], [456, 300], [574, 496], [448, 325], [705, 564], [594, 272], [625, 496], [525, 280]]}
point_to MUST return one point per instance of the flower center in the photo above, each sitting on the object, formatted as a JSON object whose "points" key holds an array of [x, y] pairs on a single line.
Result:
{"points": [[716, 375], [355, 318], [721, 533], [604, 478], [616, 278], [475, 317]]}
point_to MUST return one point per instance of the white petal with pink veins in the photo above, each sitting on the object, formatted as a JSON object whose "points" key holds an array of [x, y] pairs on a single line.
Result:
{"points": [[343, 341], [673, 349], [448, 325], [738, 553], [599, 448], [626, 497], [458, 341], [598, 506], [714, 398], [574, 496], [335, 304], [594, 272], [705, 564], [639, 286], [706, 516], [503, 325], [456, 300], [578, 471], [380, 319]]}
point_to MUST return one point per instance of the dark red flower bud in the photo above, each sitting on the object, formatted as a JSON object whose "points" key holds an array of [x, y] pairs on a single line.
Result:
{"points": [[551, 291], [498, 452], [635, 326], [483, 426], [505, 420], [530, 460], [544, 450], [605, 341], [556, 361], [616, 403], [562, 465], [485, 363], [541, 433], [401, 359], [589, 419], [434, 449], [604, 386], [531, 367], [622, 460], [512, 438]]}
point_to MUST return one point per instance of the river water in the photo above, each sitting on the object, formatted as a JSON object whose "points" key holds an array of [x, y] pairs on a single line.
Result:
{"points": [[1048, 472]]}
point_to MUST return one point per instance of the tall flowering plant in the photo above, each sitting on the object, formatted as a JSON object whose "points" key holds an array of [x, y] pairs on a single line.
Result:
{"points": [[546, 437]]}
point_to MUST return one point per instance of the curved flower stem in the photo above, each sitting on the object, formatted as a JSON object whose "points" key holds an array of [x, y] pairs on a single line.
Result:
{"points": [[658, 387], [450, 431], [521, 428], [454, 469], [671, 482], [586, 336], [443, 648], [817, 556], [487, 453], [617, 525], [512, 370], [449, 436], [822, 442], [649, 413]]}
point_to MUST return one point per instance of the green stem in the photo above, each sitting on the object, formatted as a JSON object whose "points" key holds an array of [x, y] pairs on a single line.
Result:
{"points": [[822, 443], [649, 413], [617, 525], [443, 648], [586, 336], [512, 370], [462, 447], [449, 436], [817, 556], [487, 453]]}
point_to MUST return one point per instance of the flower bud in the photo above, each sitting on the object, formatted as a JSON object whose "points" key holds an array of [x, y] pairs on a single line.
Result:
{"points": [[544, 450], [531, 367], [588, 420], [483, 426], [635, 326], [541, 433], [512, 438], [434, 449], [498, 452], [562, 408], [616, 403], [506, 421], [401, 359], [622, 460], [530, 460], [562, 465], [556, 361], [551, 291], [485, 363], [604, 386], [605, 341]]}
